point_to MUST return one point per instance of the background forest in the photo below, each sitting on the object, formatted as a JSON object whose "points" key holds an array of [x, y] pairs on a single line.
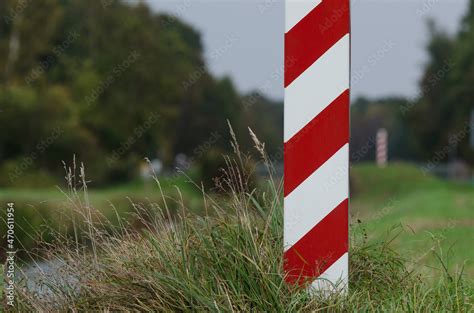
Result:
{"points": [[112, 85], [115, 83]]}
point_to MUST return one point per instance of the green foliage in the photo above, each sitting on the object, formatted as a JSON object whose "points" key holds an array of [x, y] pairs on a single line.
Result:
{"points": [[97, 71], [441, 118]]}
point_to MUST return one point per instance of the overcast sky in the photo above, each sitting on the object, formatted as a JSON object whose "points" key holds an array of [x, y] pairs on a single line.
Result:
{"points": [[244, 39]]}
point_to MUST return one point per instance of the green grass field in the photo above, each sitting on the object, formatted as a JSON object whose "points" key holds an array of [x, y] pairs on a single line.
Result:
{"points": [[435, 215]]}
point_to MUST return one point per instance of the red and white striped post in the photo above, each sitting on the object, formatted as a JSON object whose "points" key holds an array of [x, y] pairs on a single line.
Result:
{"points": [[316, 148], [382, 147]]}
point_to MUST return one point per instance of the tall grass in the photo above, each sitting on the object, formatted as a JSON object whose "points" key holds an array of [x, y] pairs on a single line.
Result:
{"points": [[228, 260]]}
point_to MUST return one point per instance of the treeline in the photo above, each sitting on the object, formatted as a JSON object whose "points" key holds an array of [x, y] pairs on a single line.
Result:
{"points": [[435, 126], [111, 83]]}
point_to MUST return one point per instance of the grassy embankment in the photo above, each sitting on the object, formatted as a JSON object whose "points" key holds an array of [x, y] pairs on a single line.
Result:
{"points": [[232, 260], [435, 215]]}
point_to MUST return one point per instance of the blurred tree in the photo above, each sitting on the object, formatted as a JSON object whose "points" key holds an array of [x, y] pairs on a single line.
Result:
{"points": [[28, 29], [441, 118], [121, 83]]}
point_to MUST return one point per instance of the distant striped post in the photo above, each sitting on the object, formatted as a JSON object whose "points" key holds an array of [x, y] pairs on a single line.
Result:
{"points": [[382, 147], [471, 126], [316, 137]]}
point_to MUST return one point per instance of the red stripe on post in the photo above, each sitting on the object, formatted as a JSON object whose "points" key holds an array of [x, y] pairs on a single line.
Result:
{"points": [[313, 254], [320, 139], [316, 33]]}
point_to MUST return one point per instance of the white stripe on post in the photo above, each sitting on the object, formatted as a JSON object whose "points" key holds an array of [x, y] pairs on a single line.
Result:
{"points": [[297, 10], [316, 137]]}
